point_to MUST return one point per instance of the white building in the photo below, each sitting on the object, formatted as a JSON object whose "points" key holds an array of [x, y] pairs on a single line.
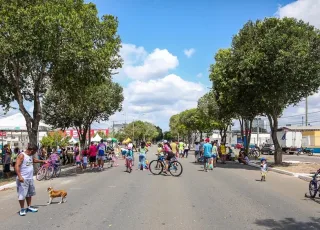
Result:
{"points": [[13, 131]]}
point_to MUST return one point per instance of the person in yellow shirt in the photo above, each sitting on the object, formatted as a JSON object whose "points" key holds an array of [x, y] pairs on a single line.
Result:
{"points": [[174, 148], [223, 152]]}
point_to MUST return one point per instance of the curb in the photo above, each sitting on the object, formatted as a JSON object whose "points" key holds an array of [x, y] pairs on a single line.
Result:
{"points": [[13, 184], [297, 175]]}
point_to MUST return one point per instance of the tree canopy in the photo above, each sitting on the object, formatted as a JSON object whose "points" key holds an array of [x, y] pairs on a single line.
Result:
{"points": [[53, 43]]}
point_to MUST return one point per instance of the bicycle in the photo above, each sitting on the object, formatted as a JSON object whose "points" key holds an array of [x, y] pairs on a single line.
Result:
{"points": [[42, 172], [160, 164], [53, 170], [254, 153], [129, 164], [314, 188]]}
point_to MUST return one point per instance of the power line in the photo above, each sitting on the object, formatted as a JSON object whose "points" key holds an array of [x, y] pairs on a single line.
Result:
{"points": [[300, 114]]}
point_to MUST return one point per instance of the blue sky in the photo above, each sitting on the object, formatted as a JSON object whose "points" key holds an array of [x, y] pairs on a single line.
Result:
{"points": [[168, 46], [159, 79]]}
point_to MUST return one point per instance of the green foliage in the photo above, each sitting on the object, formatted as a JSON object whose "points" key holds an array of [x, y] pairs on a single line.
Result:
{"points": [[167, 136], [140, 130], [160, 134], [54, 139], [279, 60], [94, 103], [63, 43]]}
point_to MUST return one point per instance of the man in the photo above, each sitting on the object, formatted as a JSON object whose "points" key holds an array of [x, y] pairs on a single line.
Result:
{"points": [[174, 148], [92, 154], [25, 185], [201, 147], [102, 148], [7, 161], [207, 153], [181, 148]]}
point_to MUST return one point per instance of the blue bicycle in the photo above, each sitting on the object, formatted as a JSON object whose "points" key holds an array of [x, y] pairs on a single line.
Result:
{"points": [[175, 168]]}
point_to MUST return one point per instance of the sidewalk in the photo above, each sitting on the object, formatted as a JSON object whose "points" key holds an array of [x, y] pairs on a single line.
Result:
{"points": [[11, 181]]}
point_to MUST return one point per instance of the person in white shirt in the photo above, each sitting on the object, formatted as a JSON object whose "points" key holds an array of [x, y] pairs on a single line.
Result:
{"points": [[197, 151], [25, 185]]}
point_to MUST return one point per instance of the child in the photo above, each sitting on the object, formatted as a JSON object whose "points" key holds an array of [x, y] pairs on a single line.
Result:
{"points": [[142, 156], [78, 160], [159, 151], [264, 169], [85, 160]]}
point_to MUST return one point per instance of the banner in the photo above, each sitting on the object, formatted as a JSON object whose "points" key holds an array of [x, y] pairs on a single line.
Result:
{"points": [[3, 134]]}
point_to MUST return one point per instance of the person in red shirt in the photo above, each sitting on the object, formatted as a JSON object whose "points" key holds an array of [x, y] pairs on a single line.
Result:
{"points": [[92, 154]]}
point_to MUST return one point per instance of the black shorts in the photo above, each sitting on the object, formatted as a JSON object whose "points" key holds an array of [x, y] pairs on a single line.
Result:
{"points": [[170, 156], [93, 159], [6, 168]]}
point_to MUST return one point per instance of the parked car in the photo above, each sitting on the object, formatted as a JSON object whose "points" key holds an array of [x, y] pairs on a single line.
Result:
{"points": [[267, 149]]}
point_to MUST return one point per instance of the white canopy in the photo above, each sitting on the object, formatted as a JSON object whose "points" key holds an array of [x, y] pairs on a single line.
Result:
{"points": [[72, 141], [17, 122], [97, 138]]}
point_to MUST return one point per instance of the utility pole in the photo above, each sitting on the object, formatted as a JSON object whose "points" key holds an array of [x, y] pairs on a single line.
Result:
{"points": [[306, 111], [112, 128], [133, 131]]}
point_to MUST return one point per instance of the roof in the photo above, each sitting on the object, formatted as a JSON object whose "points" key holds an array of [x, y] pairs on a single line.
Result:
{"points": [[18, 122], [300, 128]]}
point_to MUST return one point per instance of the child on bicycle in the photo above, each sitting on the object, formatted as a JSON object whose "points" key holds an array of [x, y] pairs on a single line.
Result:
{"points": [[129, 158], [54, 158]]}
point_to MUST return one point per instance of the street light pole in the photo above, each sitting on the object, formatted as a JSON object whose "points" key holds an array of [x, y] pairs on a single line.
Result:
{"points": [[306, 111]]}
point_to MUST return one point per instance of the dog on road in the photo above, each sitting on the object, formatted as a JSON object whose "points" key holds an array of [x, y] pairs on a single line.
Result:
{"points": [[55, 194]]}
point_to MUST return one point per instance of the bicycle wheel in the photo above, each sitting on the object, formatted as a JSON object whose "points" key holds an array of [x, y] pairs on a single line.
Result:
{"points": [[58, 171], [41, 173], [50, 171], [156, 167], [175, 168], [257, 153], [313, 188]]}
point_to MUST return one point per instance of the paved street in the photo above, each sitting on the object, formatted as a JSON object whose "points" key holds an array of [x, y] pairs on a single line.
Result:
{"points": [[230, 197]]}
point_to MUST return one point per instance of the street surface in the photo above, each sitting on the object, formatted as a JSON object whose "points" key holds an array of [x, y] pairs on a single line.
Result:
{"points": [[229, 197]]}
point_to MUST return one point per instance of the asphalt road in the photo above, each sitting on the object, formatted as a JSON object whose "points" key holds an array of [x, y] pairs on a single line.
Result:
{"points": [[229, 197]]}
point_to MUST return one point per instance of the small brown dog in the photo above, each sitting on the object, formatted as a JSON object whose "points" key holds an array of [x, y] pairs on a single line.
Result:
{"points": [[55, 194]]}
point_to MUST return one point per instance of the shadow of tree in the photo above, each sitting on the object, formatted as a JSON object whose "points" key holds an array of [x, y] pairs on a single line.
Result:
{"points": [[289, 223]]}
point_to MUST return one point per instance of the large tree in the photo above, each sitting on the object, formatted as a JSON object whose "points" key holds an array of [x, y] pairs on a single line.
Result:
{"points": [[279, 59], [141, 131], [94, 103], [53, 42]]}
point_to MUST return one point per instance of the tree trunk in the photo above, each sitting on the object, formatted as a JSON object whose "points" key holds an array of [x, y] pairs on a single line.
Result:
{"points": [[248, 129], [241, 129], [201, 135], [273, 120]]}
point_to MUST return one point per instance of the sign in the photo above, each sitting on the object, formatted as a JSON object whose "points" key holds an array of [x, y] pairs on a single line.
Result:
{"points": [[74, 133], [3, 134]]}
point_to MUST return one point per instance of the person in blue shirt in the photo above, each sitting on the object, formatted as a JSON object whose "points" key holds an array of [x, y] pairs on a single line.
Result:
{"points": [[207, 153]]}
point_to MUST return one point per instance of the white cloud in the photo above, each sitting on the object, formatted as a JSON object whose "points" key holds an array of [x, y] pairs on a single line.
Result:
{"points": [[307, 10], [139, 65], [157, 100], [199, 75], [189, 52]]}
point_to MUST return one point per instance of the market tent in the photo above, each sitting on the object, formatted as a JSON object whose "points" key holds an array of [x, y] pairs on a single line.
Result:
{"points": [[97, 138], [73, 141]]}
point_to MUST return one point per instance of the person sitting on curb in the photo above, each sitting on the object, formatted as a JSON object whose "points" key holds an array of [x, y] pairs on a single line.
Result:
{"points": [[242, 157]]}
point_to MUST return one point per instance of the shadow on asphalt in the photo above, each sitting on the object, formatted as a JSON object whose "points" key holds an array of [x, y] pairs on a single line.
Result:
{"points": [[289, 223], [229, 165]]}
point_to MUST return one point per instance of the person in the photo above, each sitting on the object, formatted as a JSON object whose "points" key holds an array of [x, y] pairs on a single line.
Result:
{"points": [[142, 155], [25, 184], [14, 156], [78, 160], [7, 161], [167, 149], [186, 150], [129, 158], [197, 151], [181, 148], [54, 157], [102, 148], [159, 150], [76, 150], [242, 158], [201, 147], [92, 154], [85, 160], [174, 148], [214, 154], [223, 152], [130, 149], [124, 152], [207, 139], [207, 153], [264, 169]]}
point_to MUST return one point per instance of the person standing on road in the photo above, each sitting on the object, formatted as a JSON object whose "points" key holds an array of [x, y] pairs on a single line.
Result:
{"points": [[25, 184], [181, 148], [201, 147], [7, 161], [223, 152], [130, 149], [92, 155], [102, 149], [197, 151], [214, 154], [174, 148], [207, 153], [186, 150]]}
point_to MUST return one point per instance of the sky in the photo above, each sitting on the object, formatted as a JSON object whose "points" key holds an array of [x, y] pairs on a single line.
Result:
{"points": [[168, 47]]}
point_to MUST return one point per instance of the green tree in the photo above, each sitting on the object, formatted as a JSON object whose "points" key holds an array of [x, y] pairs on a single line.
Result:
{"points": [[63, 43], [177, 129], [279, 59], [102, 134], [94, 104], [160, 134], [55, 139], [141, 131], [167, 135]]}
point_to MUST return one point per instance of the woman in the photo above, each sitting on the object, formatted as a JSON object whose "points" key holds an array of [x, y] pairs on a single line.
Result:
{"points": [[186, 150]]}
